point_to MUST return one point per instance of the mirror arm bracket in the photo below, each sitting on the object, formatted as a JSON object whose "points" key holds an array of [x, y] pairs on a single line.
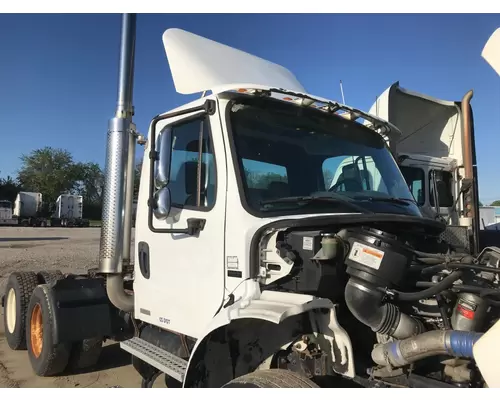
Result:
{"points": [[195, 226], [153, 155]]}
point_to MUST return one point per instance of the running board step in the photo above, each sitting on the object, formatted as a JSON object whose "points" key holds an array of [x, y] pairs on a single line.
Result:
{"points": [[162, 360]]}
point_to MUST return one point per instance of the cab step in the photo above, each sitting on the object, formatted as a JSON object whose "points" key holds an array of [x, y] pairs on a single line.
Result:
{"points": [[162, 360]]}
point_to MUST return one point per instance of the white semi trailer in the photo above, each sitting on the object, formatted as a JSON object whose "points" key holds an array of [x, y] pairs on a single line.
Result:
{"points": [[69, 212], [28, 209], [248, 269]]}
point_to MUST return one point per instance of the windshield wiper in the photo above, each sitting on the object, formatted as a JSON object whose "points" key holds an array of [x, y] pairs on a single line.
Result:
{"points": [[395, 200], [313, 199]]}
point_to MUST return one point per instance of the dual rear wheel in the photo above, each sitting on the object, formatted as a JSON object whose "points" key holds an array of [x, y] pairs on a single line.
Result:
{"points": [[28, 319]]}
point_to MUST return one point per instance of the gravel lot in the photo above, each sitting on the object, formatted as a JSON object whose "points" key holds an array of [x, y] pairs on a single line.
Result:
{"points": [[70, 250]]}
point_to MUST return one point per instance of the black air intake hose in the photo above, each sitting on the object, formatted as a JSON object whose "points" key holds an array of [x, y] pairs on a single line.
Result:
{"points": [[366, 305]]}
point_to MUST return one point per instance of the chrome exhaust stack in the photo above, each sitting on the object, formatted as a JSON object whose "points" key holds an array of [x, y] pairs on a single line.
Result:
{"points": [[117, 205]]}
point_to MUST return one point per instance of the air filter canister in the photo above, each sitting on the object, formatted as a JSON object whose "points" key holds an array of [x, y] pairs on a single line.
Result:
{"points": [[377, 257]]}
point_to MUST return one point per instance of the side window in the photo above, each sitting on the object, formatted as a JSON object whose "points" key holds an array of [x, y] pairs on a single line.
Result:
{"points": [[444, 181], [415, 180], [184, 179]]}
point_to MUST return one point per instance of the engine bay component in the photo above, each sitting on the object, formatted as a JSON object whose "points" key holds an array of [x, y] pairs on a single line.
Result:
{"points": [[469, 312], [407, 351], [427, 310], [367, 305], [317, 263], [377, 259]]}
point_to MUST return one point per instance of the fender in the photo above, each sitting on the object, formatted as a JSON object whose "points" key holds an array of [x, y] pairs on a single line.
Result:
{"points": [[81, 310], [230, 345]]}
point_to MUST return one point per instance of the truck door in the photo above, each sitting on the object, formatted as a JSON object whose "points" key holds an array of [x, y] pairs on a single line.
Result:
{"points": [[179, 277]]}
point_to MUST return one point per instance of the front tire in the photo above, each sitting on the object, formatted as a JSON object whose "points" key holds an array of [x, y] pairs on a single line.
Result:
{"points": [[46, 358], [20, 286], [271, 378]]}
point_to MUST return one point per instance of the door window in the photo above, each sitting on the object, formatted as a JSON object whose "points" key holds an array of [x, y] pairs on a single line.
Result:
{"points": [[185, 166]]}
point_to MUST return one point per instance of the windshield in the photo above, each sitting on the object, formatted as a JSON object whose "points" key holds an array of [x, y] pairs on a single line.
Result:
{"points": [[5, 204], [289, 157]]}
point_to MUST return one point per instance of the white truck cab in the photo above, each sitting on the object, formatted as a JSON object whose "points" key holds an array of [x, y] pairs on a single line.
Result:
{"points": [[240, 161], [6, 218], [426, 176]]}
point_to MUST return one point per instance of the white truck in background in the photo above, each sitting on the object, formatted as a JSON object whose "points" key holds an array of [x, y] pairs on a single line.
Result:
{"points": [[437, 156], [28, 209], [68, 212], [6, 218]]}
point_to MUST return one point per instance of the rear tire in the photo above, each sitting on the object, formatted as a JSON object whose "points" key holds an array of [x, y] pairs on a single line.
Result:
{"points": [[271, 378], [20, 286], [46, 358], [49, 276]]}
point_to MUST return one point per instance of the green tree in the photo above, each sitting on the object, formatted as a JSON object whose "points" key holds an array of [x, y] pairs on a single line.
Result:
{"points": [[137, 178], [49, 171], [258, 180], [496, 203], [91, 182], [9, 188]]}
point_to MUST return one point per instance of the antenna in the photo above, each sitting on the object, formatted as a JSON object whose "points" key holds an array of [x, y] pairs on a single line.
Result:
{"points": [[342, 92]]}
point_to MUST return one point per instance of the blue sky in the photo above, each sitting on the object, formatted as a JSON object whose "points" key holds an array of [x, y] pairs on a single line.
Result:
{"points": [[58, 73]]}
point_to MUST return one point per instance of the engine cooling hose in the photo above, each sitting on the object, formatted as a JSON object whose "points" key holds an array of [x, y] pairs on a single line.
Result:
{"points": [[428, 344], [446, 283], [365, 303]]}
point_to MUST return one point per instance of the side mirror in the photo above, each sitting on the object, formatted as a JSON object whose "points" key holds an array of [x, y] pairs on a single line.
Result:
{"points": [[164, 150], [161, 208], [162, 204]]}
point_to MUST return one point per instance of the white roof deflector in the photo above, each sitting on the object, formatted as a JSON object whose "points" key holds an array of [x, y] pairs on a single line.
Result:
{"points": [[429, 126], [491, 51], [198, 64]]}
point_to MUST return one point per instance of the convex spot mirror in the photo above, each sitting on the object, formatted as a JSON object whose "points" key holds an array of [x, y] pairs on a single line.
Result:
{"points": [[162, 204], [164, 152]]}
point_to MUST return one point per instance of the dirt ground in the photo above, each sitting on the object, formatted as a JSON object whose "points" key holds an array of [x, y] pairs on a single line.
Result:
{"points": [[70, 250]]}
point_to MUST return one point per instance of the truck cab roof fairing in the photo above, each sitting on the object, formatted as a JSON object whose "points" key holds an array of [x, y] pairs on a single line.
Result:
{"points": [[429, 126], [199, 64]]}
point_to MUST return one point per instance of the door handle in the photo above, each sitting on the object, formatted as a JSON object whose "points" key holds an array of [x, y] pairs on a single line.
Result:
{"points": [[144, 259]]}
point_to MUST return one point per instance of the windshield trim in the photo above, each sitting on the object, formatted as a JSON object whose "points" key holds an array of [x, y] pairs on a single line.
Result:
{"points": [[232, 99]]}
